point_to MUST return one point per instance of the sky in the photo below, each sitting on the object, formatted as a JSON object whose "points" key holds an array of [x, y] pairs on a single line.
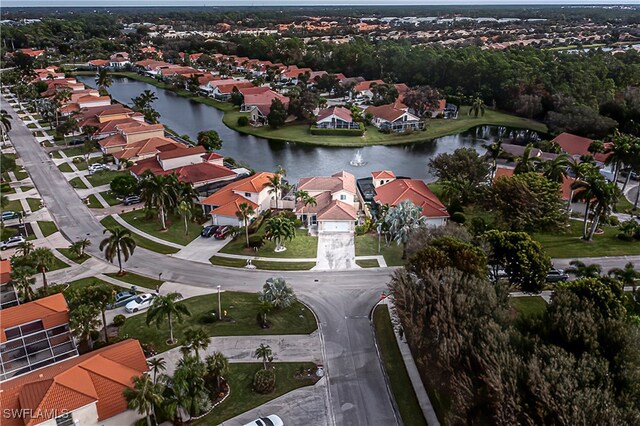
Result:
{"points": [[151, 3]]}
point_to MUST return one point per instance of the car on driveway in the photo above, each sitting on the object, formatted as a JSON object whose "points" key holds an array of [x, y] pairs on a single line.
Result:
{"points": [[209, 231], [123, 297], [271, 420], [73, 142], [131, 199], [141, 302], [12, 242], [556, 275], [8, 215], [221, 232], [93, 168]]}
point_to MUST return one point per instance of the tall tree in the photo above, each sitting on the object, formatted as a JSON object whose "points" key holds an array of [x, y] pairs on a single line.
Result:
{"points": [[275, 186], [43, 259], [103, 81], [23, 280], [600, 196], [5, 122], [210, 140], [118, 244], [277, 293], [556, 169], [305, 199], [423, 100], [627, 275], [244, 213], [217, 366], [281, 229], [83, 321], [157, 365], [277, 114], [263, 352], [144, 396], [195, 339], [527, 163], [186, 213], [159, 191], [167, 306], [189, 385], [402, 220], [494, 151], [101, 297]]}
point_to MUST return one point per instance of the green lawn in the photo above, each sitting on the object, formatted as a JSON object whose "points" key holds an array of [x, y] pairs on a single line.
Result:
{"points": [[21, 174], [175, 227], [302, 246], [367, 263], [74, 151], [65, 168], [570, 244], [105, 176], [623, 205], [110, 198], [109, 222], [242, 307], [395, 369], [77, 183], [528, 306], [72, 256], [137, 280], [13, 205], [271, 266], [56, 154], [86, 282], [35, 204], [47, 227], [367, 245], [243, 398], [57, 264], [93, 202], [83, 164]]}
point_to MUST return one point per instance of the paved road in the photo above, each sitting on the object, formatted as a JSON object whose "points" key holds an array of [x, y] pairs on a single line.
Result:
{"points": [[342, 300]]}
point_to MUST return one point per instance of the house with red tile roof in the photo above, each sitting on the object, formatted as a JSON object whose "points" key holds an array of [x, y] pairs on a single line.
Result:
{"points": [[34, 53], [257, 101], [336, 117], [337, 203], [84, 390], [292, 74], [145, 148], [190, 164], [390, 118], [576, 146], [98, 116], [363, 88], [98, 63], [223, 204], [129, 132], [119, 60], [34, 335], [391, 191], [222, 91]]}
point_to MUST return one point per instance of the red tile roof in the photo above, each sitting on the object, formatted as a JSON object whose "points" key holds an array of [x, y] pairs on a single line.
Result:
{"points": [[52, 310], [194, 173], [226, 199], [99, 62], [414, 190], [228, 88], [334, 183], [341, 112], [366, 85], [145, 147], [100, 376], [383, 174], [5, 271], [386, 112], [573, 144], [182, 151], [264, 99], [337, 210]]}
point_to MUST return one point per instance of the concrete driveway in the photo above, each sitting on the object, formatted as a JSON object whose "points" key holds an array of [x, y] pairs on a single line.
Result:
{"points": [[336, 251], [201, 249]]}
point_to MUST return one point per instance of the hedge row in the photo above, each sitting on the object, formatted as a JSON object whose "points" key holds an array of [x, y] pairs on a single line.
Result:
{"points": [[338, 132]]}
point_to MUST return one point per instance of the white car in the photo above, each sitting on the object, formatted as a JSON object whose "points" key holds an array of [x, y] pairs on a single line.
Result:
{"points": [[139, 303], [271, 420], [97, 167], [12, 242]]}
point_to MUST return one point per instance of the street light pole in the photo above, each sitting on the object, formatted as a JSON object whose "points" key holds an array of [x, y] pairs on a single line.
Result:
{"points": [[219, 305]]}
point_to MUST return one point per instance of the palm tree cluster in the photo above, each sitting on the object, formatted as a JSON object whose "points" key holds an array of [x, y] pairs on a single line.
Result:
{"points": [[280, 228], [143, 103], [167, 194], [27, 262]]}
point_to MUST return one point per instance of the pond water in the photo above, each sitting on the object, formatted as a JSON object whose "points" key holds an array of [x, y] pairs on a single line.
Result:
{"points": [[187, 117]]}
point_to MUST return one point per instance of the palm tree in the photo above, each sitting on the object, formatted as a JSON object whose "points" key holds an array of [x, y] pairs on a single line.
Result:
{"points": [[144, 396], [281, 229], [101, 297], [83, 321], [5, 122], [25, 248], [156, 365], [306, 200], [402, 220], [167, 307], [494, 151], [275, 186], [43, 258], [186, 213], [263, 352], [148, 97], [627, 275], [526, 163], [277, 293], [556, 169], [244, 213], [189, 385], [477, 107], [578, 169], [599, 195], [23, 281], [195, 339], [159, 191], [119, 244], [217, 366], [582, 270], [80, 246], [103, 81]]}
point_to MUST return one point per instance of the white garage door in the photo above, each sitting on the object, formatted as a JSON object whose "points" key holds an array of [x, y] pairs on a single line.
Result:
{"points": [[336, 226]]}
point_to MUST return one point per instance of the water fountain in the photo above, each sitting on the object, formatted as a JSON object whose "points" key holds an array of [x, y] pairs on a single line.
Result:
{"points": [[357, 160]]}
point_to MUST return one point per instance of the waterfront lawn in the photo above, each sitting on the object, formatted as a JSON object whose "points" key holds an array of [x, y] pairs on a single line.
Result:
{"points": [[261, 264], [110, 198], [571, 245], [47, 227], [105, 176], [242, 308], [77, 183], [399, 381], [243, 398], [367, 245], [528, 306], [137, 280], [35, 204], [65, 168], [110, 222], [66, 252], [302, 246], [151, 226]]}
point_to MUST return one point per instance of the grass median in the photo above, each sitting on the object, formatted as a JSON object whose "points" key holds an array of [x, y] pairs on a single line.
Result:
{"points": [[367, 245], [110, 222], [137, 280], [260, 264], [47, 227], [69, 254]]}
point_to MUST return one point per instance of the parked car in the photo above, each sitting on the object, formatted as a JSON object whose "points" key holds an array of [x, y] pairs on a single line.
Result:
{"points": [[497, 275], [12, 242], [271, 420], [96, 167], [73, 142], [141, 302], [8, 215], [123, 297], [209, 231], [556, 275], [221, 232], [131, 199]]}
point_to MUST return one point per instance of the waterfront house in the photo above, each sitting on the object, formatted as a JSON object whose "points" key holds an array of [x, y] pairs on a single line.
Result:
{"points": [[119, 60], [336, 117], [128, 133], [257, 102], [145, 148], [390, 118], [576, 146]]}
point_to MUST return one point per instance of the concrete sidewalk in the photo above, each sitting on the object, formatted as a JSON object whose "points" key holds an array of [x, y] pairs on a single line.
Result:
{"points": [[135, 230]]}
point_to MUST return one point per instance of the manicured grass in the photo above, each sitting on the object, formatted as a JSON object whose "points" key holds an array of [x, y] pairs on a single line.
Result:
{"points": [[21, 174], [110, 198], [367, 245], [86, 282], [65, 168], [104, 177], [47, 227], [93, 202], [56, 154], [623, 205], [48, 144], [367, 263], [271, 266], [32, 126], [570, 244], [38, 134], [83, 164], [242, 307], [395, 369], [13, 205], [57, 264], [528, 306], [26, 188], [302, 246], [109, 222], [72, 256], [173, 233], [77, 183], [243, 398], [74, 151], [35, 204], [137, 280]]}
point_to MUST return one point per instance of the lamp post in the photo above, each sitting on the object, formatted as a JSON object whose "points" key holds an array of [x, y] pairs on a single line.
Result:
{"points": [[219, 305]]}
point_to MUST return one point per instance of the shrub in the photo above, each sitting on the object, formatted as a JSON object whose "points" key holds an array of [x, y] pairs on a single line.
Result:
{"points": [[243, 121], [95, 335], [264, 381], [119, 320], [477, 226], [337, 132], [614, 221], [209, 317], [459, 217], [77, 160], [256, 241]]}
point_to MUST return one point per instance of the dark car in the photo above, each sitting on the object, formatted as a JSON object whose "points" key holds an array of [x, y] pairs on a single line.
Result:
{"points": [[131, 199], [221, 232], [73, 142], [209, 231], [8, 215], [123, 297], [556, 275]]}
